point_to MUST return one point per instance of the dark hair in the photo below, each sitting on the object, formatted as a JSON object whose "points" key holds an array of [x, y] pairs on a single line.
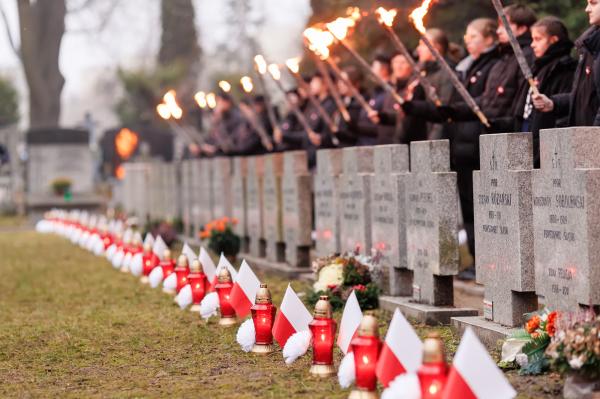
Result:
{"points": [[355, 74], [554, 27], [520, 15], [440, 38], [382, 58]]}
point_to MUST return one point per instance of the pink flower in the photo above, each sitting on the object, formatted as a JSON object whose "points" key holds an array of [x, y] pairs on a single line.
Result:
{"points": [[360, 287]]}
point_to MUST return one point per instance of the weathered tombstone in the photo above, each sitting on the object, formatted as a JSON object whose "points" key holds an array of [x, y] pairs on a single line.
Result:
{"points": [[172, 190], [195, 197], [355, 199], [432, 212], [504, 227], [297, 208], [221, 181], [239, 209], [186, 196], [388, 216], [154, 183], [566, 218], [254, 203], [326, 189], [272, 208], [205, 191]]}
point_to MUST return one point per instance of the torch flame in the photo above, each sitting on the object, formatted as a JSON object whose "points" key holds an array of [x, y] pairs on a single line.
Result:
{"points": [[126, 142], [211, 100], [340, 27], [386, 17], [200, 98], [261, 64], [293, 64], [274, 71], [319, 41], [169, 107], [225, 86], [163, 111], [417, 15], [246, 82]]}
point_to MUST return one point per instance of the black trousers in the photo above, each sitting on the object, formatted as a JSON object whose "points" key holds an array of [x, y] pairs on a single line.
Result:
{"points": [[464, 177]]}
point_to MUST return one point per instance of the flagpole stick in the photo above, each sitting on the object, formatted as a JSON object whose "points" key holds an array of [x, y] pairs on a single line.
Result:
{"points": [[353, 90], [455, 81], [514, 43], [386, 86], [270, 112], [429, 89], [334, 93]]}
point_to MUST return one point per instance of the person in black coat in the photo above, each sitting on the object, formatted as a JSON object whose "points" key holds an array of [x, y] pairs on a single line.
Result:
{"points": [[347, 131], [553, 70], [581, 105], [293, 134]]}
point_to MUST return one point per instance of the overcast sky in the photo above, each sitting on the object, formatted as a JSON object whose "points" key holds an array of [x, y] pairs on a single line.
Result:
{"points": [[131, 38]]}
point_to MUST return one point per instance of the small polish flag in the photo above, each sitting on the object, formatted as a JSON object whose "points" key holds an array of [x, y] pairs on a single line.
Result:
{"points": [[223, 262], [159, 247], [351, 318], [474, 375], [189, 253], [208, 266], [243, 293], [293, 317], [402, 351]]}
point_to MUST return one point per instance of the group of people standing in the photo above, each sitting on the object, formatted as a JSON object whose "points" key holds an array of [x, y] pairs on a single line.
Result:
{"points": [[568, 96]]}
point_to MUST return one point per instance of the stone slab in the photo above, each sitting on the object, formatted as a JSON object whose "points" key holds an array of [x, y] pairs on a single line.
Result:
{"points": [[491, 334], [422, 313]]}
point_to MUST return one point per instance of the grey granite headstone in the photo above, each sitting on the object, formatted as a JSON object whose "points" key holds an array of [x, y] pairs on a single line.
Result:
{"points": [[195, 201], [355, 200], [504, 227], [186, 196], [297, 208], [254, 203], [221, 179], [388, 217], [239, 209], [154, 189], [272, 207], [566, 218], [432, 212], [171, 185], [327, 205], [205, 191]]}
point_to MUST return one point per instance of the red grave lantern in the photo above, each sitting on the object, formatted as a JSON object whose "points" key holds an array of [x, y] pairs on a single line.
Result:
{"points": [[223, 288], [199, 284], [434, 371], [323, 329], [167, 264], [263, 316], [149, 262], [181, 272], [366, 347]]}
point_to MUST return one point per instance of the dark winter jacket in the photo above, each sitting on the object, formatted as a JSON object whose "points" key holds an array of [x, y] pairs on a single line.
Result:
{"points": [[407, 127], [370, 133]]}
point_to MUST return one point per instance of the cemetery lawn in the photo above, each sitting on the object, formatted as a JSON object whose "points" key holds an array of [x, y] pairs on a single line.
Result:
{"points": [[72, 326]]}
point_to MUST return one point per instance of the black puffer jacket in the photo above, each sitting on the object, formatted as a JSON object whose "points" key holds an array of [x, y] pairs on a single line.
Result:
{"points": [[582, 105]]}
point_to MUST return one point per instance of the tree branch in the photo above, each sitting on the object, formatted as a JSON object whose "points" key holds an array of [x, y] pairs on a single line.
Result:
{"points": [[11, 39]]}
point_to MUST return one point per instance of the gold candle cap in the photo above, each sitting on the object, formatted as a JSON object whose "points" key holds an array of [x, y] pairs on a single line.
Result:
{"points": [[147, 247], [167, 254], [224, 275], [433, 349], [182, 261], [368, 326], [263, 295], [323, 308], [195, 267]]}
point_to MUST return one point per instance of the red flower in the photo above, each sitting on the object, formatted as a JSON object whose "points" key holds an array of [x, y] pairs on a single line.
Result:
{"points": [[533, 324], [360, 287], [332, 286], [551, 323]]}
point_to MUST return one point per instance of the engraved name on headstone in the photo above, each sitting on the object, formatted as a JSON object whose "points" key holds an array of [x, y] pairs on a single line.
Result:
{"points": [[254, 203], [326, 187], [272, 208]]}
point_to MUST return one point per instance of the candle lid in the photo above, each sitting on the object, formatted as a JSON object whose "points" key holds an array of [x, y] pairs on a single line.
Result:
{"points": [[167, 254], [147, 247], [323, 307], [368, 326], [433, 349], [195, 266], [263, 295], [224, 275], [182, 261]]}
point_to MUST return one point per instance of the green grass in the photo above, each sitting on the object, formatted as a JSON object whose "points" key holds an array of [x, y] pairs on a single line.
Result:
{"points": [[72, 326]]}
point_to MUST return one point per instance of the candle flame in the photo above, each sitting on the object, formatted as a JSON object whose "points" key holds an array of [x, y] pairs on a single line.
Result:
{"points": [[261, 64], [293, 64], [417, 15], [274, 71], [211, 100], [225, 86], [200, 98], [246, 82], [386, 17], [319, 41]]}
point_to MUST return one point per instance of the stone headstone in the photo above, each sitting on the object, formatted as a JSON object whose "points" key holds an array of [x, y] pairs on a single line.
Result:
{"points": [[205, 191], [326, 189], [239, 209], [355, 199], [432, 212], [388, 216], [221, 180], [59, 153], [195, 204], [504, 227], [297, 208], [566, 218], [254, 203], [154, 189], [136, 190], [172, 190], [272, 207], [186, 196]]}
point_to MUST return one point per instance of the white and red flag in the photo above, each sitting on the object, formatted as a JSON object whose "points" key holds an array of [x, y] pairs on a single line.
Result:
{"points": [[351, 318], [208, 266], [292, 317], [223, 262], [402, 351], [189, 253], [243, 293], [474, 374]]}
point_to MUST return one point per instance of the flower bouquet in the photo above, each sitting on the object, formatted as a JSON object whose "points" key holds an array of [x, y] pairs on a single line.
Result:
{"points": [[338, 276], [221, 237]]}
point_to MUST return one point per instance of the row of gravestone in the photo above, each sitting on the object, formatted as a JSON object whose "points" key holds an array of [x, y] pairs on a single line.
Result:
{"points": [[535, 230]]}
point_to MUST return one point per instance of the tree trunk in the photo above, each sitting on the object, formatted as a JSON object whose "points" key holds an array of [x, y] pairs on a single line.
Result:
{"points": [[42, 25]]}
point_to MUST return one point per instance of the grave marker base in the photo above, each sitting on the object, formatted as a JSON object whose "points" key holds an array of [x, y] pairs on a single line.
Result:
{"points": [[278, 268], [489, 333], [427, 314]]}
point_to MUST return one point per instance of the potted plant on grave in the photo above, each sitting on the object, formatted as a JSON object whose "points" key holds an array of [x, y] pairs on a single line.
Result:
{"points": [[575, 352], [61, 186], [338, 276], [221, 237]]}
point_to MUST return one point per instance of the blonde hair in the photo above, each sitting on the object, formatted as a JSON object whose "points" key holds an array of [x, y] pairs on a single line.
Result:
{"points": [[486, 26]]}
